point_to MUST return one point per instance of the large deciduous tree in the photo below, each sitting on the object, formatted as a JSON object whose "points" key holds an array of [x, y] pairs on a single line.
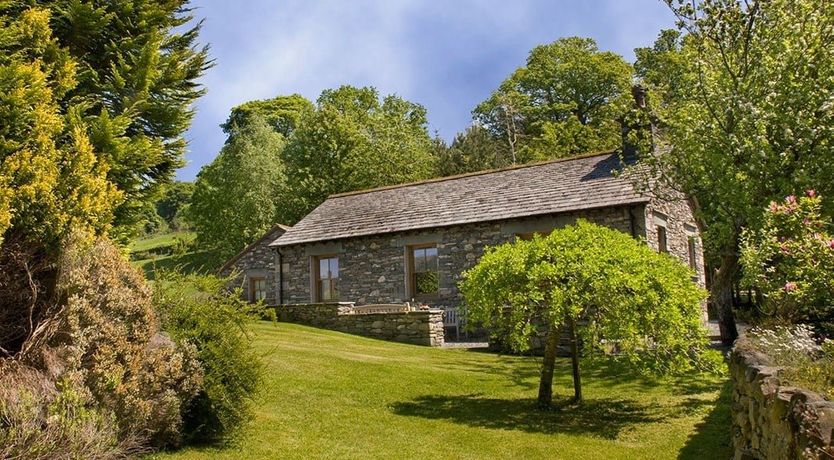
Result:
{"points": [[238, 196], [137, 69], [472, 150], [565, 100], [353, 140], [753, 120], [607, 290]]}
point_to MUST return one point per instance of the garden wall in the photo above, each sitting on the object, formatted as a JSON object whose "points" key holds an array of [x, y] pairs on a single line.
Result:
{"points": [[772, 420], [420, 327]]}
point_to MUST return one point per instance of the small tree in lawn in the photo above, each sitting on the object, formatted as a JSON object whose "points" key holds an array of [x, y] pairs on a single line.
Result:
{"points": [[612, 294]]}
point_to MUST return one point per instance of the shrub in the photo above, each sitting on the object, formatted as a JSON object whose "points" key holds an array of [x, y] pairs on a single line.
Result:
{"points": [[808, 363], [109, 335], [42, 419], [791, 261], [199, 311]]}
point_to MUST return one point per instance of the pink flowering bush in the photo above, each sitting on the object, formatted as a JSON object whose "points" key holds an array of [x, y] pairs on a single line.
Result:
{"points": [[791, 261]]}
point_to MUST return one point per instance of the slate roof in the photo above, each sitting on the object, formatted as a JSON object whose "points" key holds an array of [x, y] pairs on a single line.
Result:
{"points": [[552, 187], [270, 233]]}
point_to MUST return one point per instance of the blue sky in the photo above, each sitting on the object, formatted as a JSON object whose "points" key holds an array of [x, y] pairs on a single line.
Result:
{"points": [[447, 55]]}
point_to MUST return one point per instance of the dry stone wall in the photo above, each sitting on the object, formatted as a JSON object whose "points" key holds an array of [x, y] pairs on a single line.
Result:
{"points": [[772, 420], [421, 327]]}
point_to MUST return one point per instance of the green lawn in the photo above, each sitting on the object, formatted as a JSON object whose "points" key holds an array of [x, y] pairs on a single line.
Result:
{"points": [[332, 395], [159, 241], [150, 255]]}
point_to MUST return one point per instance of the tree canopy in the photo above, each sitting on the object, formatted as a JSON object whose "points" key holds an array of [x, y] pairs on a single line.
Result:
{"points": [[749, 119], [353, 140], [137, 69], [608, 290], [565, 100], [237, 197]]}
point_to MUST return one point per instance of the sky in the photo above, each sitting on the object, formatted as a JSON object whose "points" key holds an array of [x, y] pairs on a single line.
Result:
{"points": [[446, 55]]}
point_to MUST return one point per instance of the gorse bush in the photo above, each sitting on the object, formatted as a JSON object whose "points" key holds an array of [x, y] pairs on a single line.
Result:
{"points": [[199, 311], [110, 335]]}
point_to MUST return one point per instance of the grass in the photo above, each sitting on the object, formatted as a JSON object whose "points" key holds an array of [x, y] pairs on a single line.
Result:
{"points": [[332, 395], [153, 255]]}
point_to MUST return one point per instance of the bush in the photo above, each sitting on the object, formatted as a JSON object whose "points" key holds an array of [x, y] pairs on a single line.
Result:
{"points": [[808, 362], [109, 334], [42, 419], [791, 262], [199, 311]]}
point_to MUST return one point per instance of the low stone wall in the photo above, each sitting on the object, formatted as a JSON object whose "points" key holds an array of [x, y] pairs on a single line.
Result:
{"points": [[421, 327], [772, 420]]}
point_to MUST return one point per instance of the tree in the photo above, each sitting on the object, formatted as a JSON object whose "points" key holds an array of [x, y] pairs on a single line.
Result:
{"points": [[354, 141], [753, 121], [472, 150], [51, 183], [138, 66], [174, 203], [282, 113], [565, 101], [608, 291], [237, 197]]}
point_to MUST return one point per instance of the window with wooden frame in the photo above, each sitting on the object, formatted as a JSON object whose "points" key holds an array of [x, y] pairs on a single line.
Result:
{"points": [[326, 276], [693, 254], [424, 282], [257, 288], [662, 243]]}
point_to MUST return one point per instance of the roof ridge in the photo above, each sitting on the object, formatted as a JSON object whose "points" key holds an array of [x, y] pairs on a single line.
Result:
{"points": [[473, 174]]}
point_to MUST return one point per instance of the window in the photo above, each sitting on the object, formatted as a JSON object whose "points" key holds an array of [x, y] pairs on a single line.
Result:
{"points": [[424, 281], [693, 254], [661, 239], [327, 278], [257, 289]]}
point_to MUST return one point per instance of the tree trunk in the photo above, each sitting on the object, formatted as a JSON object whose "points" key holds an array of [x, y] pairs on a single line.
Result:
{"points": [[574, 356], [721, 293], [548, 364]]}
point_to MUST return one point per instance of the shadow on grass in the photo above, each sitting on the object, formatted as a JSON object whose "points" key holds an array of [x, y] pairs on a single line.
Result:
{"points": [[202, 262], [711, 438], [598, 417]]}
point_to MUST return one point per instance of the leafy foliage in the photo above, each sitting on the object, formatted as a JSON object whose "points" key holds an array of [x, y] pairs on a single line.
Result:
{"points": [[354, 141], [237, 197], [565, 101], [283, 113], [472, 150], [791, 261], [200, 311], [173, 205], [109, 335], [749, 117], [625, 297], [138, 69]]}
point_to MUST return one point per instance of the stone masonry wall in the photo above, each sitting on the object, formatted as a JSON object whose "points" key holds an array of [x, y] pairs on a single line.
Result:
{"points": [[422, 327], [772, 420], [372, 269], [256, 261]]}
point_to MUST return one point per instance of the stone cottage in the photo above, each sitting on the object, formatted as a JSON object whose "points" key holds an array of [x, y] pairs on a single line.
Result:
{"points": [[255, 267], [412, 241]]}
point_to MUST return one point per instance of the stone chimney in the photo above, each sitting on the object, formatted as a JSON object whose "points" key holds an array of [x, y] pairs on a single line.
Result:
{"points": [[637, 121]]}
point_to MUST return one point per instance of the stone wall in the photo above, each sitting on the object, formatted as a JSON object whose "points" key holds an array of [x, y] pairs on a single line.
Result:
{"points": [[373, 269], [772, 420], [421, 327], [257, 260]]}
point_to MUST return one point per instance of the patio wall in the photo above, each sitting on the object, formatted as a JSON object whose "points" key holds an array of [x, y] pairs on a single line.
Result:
{"points": [[422, 327], [772, 420]]}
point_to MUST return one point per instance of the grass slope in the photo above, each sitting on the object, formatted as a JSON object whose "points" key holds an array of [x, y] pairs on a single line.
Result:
{"points": [[194, 261], [332, 395]]}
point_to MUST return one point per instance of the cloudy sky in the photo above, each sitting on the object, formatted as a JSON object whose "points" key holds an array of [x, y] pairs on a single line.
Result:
{"points": [[448, 55]]}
